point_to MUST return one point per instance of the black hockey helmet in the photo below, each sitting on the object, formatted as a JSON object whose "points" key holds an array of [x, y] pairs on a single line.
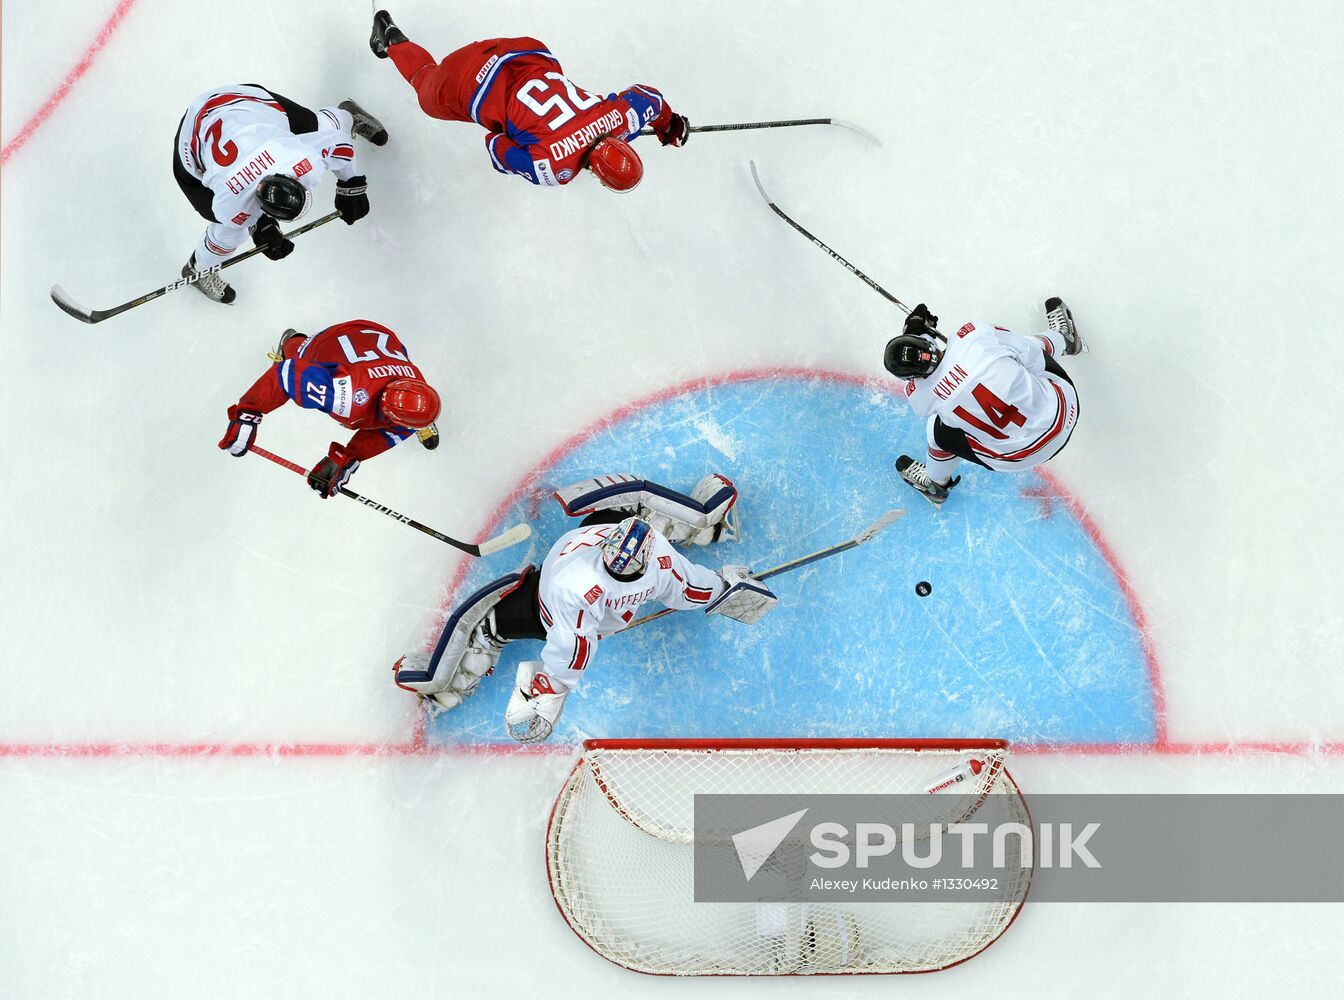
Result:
{"points": [[282, 197], [911, 356]]}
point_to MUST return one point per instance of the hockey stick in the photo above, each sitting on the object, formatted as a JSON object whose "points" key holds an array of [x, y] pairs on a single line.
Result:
{"points": [[866, 535], [73, 308], [791, 123], [516, 534], [834, 256]]}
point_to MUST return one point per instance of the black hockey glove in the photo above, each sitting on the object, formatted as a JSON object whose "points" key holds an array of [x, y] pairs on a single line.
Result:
{"points": [[266, 234], [677, 133], [352, 199], [919, 321]]}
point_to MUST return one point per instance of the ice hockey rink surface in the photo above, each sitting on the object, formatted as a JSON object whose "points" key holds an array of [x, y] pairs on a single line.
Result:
{"points": [[210, 786]]}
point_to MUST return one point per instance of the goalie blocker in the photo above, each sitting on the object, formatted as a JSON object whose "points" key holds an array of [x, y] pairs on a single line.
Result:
{"points": [[571, 604]]}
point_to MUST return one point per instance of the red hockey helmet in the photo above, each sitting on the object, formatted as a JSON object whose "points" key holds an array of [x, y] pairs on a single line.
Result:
{"points": [[615, 163], [410, 403]]}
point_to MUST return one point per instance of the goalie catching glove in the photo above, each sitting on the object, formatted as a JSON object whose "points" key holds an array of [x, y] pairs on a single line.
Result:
{"points": [[535, 705], [746, 599]]}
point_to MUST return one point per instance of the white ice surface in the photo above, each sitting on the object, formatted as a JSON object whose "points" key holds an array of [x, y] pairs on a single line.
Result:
{"points": [[1172, 170]]}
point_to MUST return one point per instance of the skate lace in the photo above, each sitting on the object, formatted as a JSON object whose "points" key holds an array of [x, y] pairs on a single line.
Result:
{"points": [[916, 474]]}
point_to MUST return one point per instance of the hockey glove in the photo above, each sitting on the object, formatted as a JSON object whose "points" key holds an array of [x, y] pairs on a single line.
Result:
{"points": [[352, 199], [329, 475], [919, 321], [745, 598], [676, 133], [242, 432], [266, 234], [535, 705]]}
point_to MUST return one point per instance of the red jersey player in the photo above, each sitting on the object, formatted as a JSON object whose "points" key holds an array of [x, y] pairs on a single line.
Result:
{"points": [[541, 125], [358, 373]]}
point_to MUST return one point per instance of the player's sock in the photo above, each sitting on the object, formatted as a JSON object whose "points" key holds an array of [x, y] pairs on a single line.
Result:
{"points": [[411, 60]]}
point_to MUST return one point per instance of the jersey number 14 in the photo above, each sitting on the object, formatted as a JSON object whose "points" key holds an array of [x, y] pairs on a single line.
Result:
{"points": [[999, 413]]}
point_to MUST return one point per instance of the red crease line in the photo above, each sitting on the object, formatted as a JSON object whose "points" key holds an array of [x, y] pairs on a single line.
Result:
{"points": [[59, 94]]}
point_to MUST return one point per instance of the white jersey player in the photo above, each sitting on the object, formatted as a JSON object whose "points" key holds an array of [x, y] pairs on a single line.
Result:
{"points": [[246, 157], [991, 396], [591, 585]]}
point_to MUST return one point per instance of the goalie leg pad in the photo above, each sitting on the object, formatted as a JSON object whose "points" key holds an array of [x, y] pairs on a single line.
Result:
{"points": [[707, 515], [467, 650], [746, 601]]}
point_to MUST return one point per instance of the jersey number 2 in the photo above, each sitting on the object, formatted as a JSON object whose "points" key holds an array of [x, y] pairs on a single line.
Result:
{"points": [[225, 153], [1001, 414], [530, 91]]}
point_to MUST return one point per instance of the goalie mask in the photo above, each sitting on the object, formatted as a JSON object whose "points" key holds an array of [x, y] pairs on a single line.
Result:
{"points": [[625, 553], [911, 356]]}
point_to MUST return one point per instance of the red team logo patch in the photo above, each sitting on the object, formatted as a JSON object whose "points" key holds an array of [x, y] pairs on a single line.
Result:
{"points": [[664, 562], [592, 595], [965, 329], [302, 167], [240, 218]]}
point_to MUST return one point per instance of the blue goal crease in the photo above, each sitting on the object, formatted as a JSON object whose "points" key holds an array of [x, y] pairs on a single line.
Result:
{"points": [[1026, 635]]}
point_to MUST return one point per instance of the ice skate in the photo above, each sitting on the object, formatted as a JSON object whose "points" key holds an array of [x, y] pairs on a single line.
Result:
{"points": [[366, 126], [917, 476], [1060, 319], [210, 284]]}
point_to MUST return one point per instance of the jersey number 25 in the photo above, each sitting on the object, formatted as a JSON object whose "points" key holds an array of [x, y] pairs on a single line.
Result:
{"points": [[533, 89]]}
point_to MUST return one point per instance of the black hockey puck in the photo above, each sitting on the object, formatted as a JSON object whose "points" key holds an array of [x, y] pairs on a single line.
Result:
{"points": [[923, 588]]}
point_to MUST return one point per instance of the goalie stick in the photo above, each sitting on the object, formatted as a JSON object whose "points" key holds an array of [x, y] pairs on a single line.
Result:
{"points": [[866, 535], [834, 256], [514, 535], [73, 308], [789, 123]]}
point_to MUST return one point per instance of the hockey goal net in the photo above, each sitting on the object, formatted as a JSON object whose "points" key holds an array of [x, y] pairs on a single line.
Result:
{"points": [[620, 845]]}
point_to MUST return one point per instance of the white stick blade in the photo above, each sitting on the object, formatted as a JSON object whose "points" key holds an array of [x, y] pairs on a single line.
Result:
{"points": [[859, 129], [885, 521], [518, 533], [759, 186], [69, 305]]}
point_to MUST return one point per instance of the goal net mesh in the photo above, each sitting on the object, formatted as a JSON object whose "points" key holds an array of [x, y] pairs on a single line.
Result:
{"points": [[621, 841]]}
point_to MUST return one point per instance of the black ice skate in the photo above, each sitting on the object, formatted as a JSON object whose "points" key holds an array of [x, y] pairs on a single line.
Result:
{"points": [[367, 127], [429, 436], [917, 476], [211, 285], [1060, 319], [278, 355], [385, 33]]}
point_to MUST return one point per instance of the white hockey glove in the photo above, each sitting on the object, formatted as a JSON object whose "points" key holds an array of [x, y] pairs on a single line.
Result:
{"points": [[535, 705], [746, 599]]}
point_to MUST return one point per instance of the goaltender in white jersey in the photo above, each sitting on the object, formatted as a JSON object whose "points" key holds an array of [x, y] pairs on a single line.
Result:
{"points": [[991, 396], [245, 157], [591, 586]]}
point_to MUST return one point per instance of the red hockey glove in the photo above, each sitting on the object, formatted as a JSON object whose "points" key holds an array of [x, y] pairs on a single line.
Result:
{"points": [[676, 132], [242, 432], [329, 475]]}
